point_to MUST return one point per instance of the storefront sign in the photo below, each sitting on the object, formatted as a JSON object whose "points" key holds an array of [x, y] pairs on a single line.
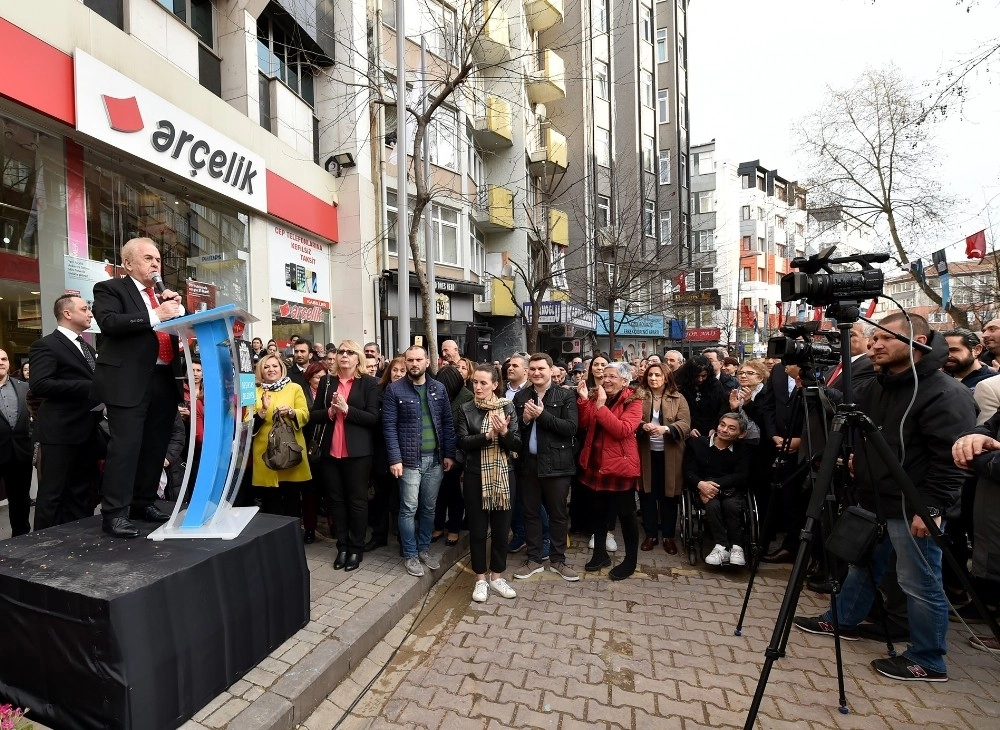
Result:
{"points": [[708, 297], [703, 334], [300, 268], [637, 325], [562, 313], [115, 109], [288, 310], [442, 306]]}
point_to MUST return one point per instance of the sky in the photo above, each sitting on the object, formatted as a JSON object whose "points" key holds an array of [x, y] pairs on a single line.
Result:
{"points": [[757, 66]]}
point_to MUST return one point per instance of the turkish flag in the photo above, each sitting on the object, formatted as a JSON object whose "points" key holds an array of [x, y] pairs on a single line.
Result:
{"points": [[681, 282], [975, 245]]}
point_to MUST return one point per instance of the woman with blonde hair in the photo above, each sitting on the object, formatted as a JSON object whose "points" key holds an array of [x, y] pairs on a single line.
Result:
{"points": [[347, 407], [278, 398]]}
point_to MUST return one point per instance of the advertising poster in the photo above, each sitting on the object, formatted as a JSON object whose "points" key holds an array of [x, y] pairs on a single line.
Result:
{"points": [[200, 296], [299, 268], [81, 275]]}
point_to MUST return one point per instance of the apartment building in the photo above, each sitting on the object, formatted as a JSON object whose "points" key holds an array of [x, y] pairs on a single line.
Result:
{"points": [[192, 122]]}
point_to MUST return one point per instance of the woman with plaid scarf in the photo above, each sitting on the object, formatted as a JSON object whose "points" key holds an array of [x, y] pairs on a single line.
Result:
{"points": [[488, 436]]}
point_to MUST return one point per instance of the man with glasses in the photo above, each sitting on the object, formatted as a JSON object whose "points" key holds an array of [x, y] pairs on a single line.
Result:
{"points": [[372, 350]]}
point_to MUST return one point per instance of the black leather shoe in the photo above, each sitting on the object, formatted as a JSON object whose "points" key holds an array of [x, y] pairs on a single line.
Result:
{"points": [[309, 537], [353, 561], [341, 558], [150, 513], [819, 585], [596, 563], [375, 543], [781, 555], [120, 527]]}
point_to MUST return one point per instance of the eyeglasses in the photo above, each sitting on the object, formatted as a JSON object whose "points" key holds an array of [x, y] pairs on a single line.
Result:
{"points": [[747, 372], [346, 352]]}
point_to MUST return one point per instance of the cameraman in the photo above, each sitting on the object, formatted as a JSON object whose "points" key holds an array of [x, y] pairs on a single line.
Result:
{"points": [[920, 421]]}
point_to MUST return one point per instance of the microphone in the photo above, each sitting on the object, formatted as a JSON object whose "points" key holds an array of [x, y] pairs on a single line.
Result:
{"points": [[158, 282]]}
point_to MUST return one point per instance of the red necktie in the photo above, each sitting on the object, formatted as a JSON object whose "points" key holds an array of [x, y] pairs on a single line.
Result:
{"points": [[834, 375], [166, 354]]}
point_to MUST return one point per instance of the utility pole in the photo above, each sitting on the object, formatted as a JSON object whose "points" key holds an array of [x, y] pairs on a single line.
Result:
{"points": [[402, 197]]}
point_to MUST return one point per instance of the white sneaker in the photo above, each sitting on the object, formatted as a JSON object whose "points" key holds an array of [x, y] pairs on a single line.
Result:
{"points": [[610, 544], [590, 545], [501, 587], [718, 556], [480, 592], [736, 556]]}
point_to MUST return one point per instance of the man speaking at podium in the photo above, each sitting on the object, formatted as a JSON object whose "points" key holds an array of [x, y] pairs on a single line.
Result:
{"points": [[137, 378]]}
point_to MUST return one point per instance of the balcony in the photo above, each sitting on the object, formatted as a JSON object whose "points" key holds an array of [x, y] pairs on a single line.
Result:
{"points": [[493, 130], [543, 14], [547, 83], [492, 44], [502, 297], [559, 227], [494, 209], [550, 156]]}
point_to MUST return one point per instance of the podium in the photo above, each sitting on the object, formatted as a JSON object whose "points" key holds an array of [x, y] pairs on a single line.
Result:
{"points": [[230, 388]]}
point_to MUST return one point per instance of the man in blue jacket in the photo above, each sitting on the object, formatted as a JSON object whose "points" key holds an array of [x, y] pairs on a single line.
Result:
{"points": [[420, 443]]}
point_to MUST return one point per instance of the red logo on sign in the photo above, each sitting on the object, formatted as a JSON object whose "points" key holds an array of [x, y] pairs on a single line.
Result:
{"points": [[123, 114]]}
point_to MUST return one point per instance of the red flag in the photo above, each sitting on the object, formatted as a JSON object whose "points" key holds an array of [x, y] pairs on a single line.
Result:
{"points": [[818, 314], [781, 312], [975, 245], [681, 282], [747, 316]]}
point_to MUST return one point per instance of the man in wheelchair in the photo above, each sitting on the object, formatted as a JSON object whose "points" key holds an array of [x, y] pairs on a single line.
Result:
{"points": [[716, 470]]}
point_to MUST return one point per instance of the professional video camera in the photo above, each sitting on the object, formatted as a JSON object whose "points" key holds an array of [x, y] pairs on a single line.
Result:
{"points": [[833, 287], [796, 346]]}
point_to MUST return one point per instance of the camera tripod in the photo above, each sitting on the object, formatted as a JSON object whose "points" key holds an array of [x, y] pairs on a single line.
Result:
{"points": [[848, 421]]}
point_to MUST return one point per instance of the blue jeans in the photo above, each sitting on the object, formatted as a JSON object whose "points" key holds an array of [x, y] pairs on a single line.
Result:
{"points": [[418, 491], [926, 606]]}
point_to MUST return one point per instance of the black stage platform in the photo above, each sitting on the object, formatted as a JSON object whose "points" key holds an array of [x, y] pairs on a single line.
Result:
{"points": [[99, 632]]}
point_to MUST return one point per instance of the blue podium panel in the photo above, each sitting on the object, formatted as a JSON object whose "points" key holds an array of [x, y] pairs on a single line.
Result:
{"points": [[225, 447]]}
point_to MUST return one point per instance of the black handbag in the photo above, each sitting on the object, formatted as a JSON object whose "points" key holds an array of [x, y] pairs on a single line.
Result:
{"points": [[314, 449], [855, 535]]}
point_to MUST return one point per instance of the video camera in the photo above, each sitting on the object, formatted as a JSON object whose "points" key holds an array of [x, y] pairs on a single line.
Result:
{"points": [[796, 346], [833, 287]]}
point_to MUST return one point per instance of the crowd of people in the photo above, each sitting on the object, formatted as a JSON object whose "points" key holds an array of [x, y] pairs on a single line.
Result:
{"points": [[523, 453]]}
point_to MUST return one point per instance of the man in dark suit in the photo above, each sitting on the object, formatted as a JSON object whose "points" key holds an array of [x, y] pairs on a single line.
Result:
{"points": [[137, 378], [15, 447], [66, 425], [301, 357]]}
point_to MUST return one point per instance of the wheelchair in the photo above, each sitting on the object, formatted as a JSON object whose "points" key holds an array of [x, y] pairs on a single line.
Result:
{"points": [[693, 529]]}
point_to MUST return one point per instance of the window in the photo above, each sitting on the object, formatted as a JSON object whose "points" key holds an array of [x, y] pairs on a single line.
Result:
{"points": [[744, 181], [647, 89], [745, 273], [704, 202], [601, 79], [704, 163], [477, 244], [682, 110], [559, 267], [649, 218], [761, 215], [195, 13], [665, 227], [779, 222], [781, 250], [761, 273], [706, 279], [444, 225], [646, 19], [661, 45], [442, 138], [648, 154], [600, 11], [278, 56], [603, 211], [602, 147], [680, 50], [436, 24], [745, 213], [663, 106], [760, 246], [664, 167], [704, 241], [781, 193], [392, 213], [683, 171]]}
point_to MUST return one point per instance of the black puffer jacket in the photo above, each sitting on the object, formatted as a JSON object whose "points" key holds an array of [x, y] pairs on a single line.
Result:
{"points": [[942, 411], [556, 429]]}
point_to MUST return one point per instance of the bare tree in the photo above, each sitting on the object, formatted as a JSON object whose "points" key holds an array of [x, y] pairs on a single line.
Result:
{"points": [[870, 150]]}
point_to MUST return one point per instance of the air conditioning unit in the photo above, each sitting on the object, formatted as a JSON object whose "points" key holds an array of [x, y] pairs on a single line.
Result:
{"points": [[571, 347]]}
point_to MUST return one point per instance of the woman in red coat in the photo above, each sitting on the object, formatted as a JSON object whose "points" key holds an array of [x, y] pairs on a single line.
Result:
{"points": [[609, 462]]}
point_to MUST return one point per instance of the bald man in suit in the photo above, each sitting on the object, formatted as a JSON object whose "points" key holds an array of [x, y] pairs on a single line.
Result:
{"points": [[66, 425]]}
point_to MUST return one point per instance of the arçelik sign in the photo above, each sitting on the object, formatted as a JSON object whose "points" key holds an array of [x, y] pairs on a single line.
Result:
{"points": [[115, 109]]}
